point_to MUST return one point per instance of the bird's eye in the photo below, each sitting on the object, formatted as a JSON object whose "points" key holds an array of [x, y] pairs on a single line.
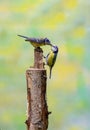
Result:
{"points": [[46, 40]]}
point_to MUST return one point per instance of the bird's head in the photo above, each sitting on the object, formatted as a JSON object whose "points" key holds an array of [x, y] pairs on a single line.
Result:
{"points": [[47, 41], [54, 49]]}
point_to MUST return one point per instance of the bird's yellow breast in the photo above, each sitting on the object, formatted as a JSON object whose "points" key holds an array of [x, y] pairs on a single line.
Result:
{"points": [[50, 59], [37, 44]]}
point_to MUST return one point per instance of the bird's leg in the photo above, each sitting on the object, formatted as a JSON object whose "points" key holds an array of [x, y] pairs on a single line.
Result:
{"points": [[44, 56]]}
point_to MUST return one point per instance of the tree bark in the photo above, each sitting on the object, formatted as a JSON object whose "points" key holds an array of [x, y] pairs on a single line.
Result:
{"points": [[38, 58], [37, 109]]}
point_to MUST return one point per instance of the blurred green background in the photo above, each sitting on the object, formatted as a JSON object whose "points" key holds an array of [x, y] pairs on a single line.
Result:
{"points": [[67, 24]]}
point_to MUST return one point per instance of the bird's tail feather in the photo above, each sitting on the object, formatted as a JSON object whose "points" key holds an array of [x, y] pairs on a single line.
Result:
{"points": [[50, 72], [23, 36]]}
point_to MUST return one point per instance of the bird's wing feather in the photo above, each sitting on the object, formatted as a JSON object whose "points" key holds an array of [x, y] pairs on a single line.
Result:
{"points": [[54, 59]]}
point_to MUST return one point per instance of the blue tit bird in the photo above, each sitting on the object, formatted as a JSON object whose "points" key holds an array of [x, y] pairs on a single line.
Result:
{"points": [[51, 58], [37, 42]]}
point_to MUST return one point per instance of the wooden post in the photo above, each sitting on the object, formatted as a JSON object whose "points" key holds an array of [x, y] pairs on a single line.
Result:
{"points": [[37, 110]]}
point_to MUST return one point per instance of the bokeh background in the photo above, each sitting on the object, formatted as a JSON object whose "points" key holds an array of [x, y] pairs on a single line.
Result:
{"points": [[67, 24]]}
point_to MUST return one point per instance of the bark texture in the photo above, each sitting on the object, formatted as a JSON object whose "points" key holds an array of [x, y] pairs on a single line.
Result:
{"points": [[38, 58]]}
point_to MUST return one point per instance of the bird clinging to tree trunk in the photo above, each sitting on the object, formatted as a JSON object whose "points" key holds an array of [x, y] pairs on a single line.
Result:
{"points": [[51, 58]]}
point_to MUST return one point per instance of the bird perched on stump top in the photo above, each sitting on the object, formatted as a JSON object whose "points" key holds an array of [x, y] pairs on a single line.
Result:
{"points": [[37, 42], [51, 58]]}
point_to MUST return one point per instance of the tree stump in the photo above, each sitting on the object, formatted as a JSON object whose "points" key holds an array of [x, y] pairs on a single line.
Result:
{"points": [[37, 109]]}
